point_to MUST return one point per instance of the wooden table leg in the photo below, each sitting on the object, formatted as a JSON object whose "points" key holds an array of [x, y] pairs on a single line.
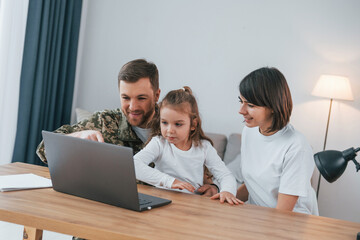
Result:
{"points": [[31, 233]]}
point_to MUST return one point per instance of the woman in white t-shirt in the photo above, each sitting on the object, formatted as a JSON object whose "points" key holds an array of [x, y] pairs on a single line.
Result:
{"points": [[276, 160]]}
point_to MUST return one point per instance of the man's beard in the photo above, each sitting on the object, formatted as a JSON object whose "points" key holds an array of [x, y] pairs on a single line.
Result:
{"points": [[143, 121]]}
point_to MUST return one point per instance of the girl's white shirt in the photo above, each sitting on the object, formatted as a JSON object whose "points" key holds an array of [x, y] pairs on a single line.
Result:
{"points": [[172, 163], [280, 163]]}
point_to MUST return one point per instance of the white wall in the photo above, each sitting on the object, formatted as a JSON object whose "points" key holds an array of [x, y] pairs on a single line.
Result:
{"points": [[211, 45]]}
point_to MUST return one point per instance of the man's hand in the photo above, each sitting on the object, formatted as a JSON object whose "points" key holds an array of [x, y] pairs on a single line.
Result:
{"points": [[177, 184], [228, 197], [207, 190], [88, 134]]}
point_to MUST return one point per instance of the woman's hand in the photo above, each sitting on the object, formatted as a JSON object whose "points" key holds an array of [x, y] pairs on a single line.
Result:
{"points": [[228, 197], [177, 184]]}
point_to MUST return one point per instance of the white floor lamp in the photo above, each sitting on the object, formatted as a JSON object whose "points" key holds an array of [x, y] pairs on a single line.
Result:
{"points": [[332, 87]]}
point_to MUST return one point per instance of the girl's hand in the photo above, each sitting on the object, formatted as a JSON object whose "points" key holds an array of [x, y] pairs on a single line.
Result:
{"points": [[228, 197], [177, 184]]}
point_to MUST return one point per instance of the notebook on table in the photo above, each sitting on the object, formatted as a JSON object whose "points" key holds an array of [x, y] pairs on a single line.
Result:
{"points": [[97, 171]]}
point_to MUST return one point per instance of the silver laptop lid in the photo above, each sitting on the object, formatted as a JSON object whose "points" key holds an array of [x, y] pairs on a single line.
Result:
{"points": [[97, 171]]}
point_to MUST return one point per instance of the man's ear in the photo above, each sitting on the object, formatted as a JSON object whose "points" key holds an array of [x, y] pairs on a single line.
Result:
{"points": [[157, 95]]}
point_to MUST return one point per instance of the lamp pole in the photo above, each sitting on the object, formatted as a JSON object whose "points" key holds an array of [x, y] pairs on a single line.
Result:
{"points": [[326, 133]]}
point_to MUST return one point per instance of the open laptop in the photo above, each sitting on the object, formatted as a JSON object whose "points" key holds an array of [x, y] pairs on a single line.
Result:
{"points": [[98, 171]]}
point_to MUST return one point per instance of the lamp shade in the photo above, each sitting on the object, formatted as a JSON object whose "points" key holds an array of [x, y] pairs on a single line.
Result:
{"points": [[332, 164], [332, 86]]}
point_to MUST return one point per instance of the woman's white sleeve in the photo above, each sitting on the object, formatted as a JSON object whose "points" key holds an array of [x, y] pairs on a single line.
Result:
{"points": [[142, 159], [298, 167]]}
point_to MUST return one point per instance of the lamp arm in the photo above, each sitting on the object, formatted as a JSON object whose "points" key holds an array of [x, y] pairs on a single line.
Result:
{"points": [[356, 164]]}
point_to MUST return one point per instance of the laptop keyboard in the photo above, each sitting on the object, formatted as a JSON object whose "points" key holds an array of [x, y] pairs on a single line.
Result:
{"points": [[143, 201]]}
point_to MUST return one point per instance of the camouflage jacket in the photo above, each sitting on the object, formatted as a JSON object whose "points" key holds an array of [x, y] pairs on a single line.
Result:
{"points": [[111, 123]]}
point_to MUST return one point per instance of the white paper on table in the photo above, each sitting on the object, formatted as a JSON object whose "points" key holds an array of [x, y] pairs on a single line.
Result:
{"points": [[23, 181]]}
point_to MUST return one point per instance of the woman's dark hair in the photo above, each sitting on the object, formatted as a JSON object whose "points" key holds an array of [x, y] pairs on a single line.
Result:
{"points": [[267, 87], [183, 100]]}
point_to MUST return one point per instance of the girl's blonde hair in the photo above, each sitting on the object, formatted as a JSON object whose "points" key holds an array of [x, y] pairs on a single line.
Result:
{"points": [[180, 100]]}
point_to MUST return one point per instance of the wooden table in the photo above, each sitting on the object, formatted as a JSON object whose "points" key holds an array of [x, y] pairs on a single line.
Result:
{"points": [[187, 217]]}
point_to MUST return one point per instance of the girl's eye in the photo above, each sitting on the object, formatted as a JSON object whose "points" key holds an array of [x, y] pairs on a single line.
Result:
{"points": [[240, 99], [251, 105], [163, 122], [178, 124]]}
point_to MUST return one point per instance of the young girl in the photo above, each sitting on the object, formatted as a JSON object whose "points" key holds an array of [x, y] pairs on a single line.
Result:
{"points": [[276, 160], [180, 149]]}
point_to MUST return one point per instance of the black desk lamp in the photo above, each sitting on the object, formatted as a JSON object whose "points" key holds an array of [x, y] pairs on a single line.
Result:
{"points": [[332, 164]]}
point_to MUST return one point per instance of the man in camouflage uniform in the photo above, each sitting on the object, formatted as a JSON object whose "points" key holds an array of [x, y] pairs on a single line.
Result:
{"points": [[138, 83]]}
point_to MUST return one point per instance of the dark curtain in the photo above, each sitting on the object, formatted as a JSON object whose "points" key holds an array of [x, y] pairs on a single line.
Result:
{"points": [[47, 74]]}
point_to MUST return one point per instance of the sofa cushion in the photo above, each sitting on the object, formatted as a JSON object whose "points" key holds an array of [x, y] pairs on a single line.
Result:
{"points": [[232, 156], [219, 141], [232, 147], [82, 114]]}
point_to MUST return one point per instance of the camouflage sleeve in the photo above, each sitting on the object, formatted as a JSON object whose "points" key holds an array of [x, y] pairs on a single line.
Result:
{"points": [[95, 122]]}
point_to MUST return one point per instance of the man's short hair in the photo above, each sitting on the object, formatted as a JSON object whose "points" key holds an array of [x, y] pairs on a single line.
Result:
{"points": [[137, 69]]}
